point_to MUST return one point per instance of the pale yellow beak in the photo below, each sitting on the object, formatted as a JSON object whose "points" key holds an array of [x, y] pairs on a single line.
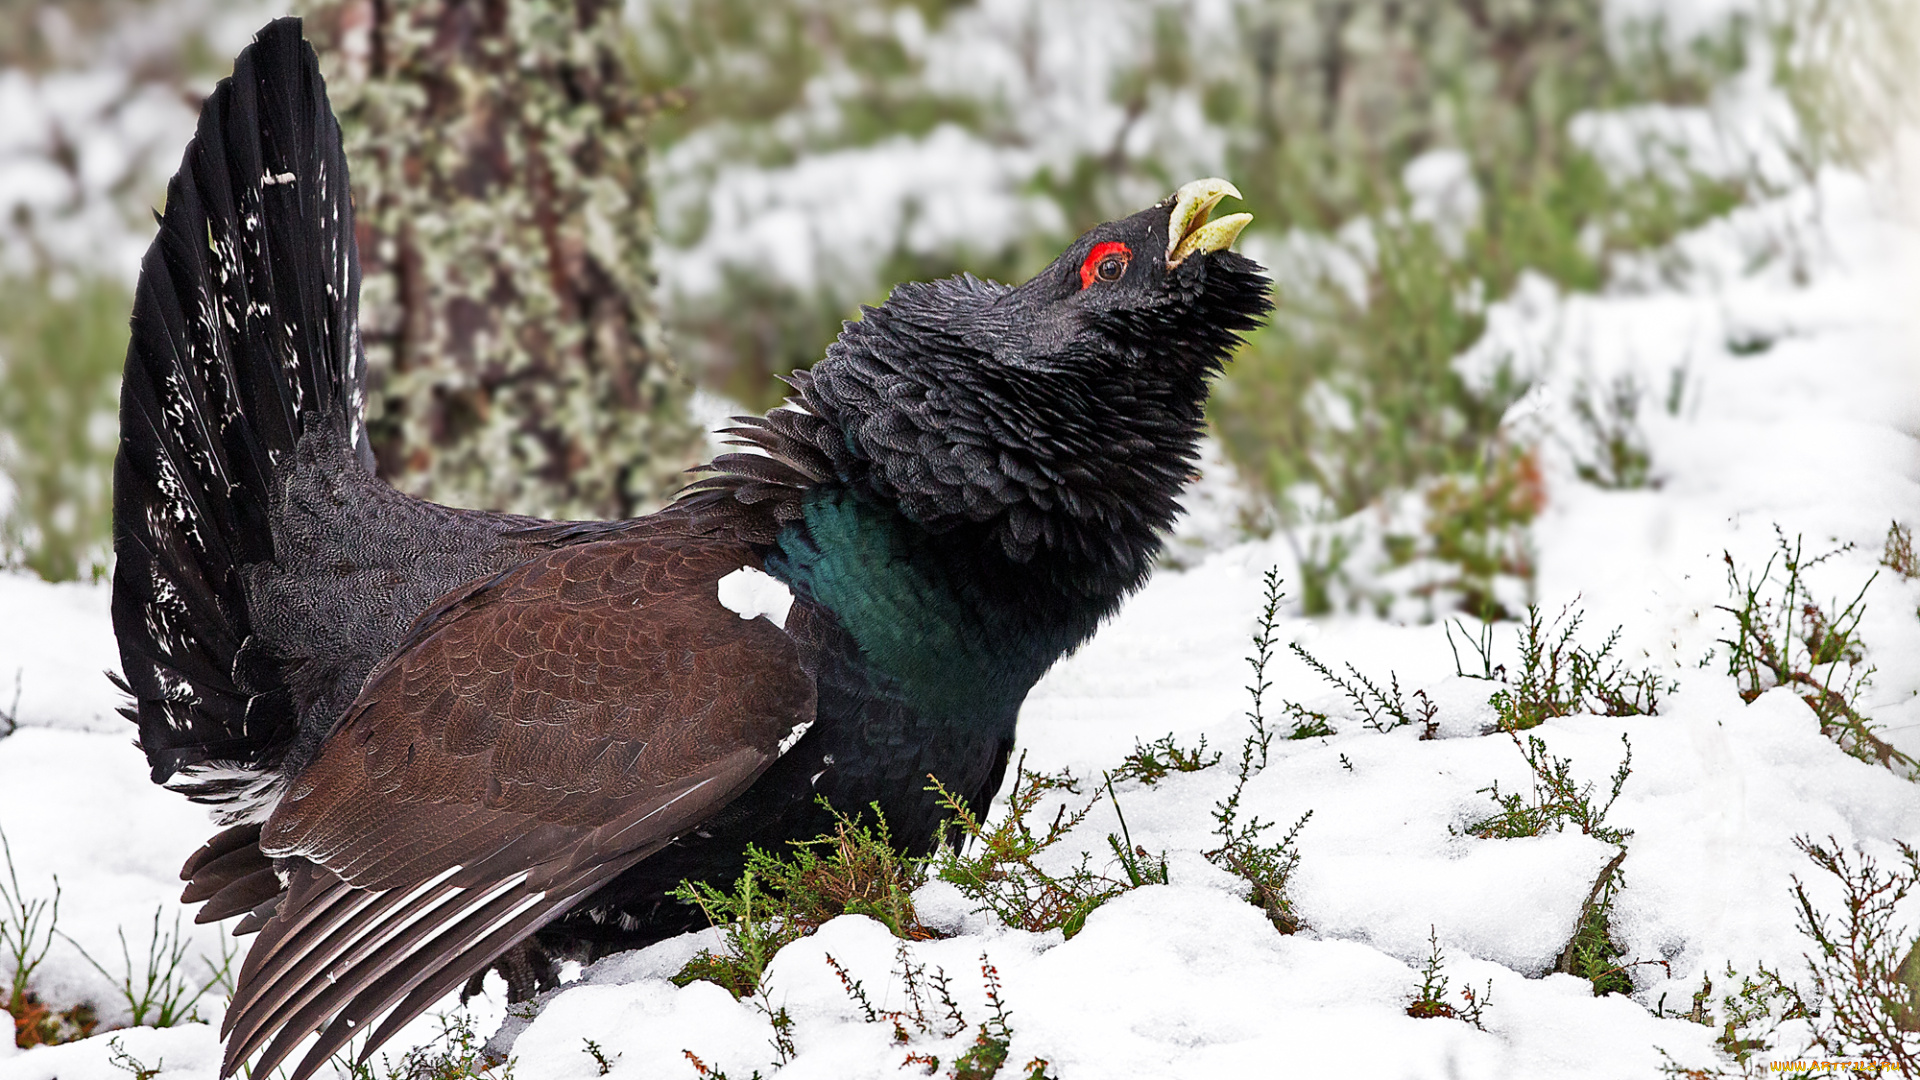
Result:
{"points": [[1189, 231]]}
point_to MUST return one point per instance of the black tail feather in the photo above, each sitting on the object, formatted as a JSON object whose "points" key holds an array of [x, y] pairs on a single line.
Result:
{"points": [[244, 342]]}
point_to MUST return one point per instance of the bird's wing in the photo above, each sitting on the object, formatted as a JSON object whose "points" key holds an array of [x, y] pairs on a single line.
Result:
{"points": [[534, 738]]}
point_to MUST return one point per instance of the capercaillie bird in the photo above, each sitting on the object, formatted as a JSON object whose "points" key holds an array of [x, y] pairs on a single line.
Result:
{"points": [[438, 738]]}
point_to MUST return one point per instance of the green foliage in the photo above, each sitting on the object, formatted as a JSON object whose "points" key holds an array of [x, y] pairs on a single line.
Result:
{"points": [[1782, 636], [1357, 396], [456, 1052], [62, 342], [1353, 395], [1558, 677], [1556, 800], [855, 870], [1139, 867], [1153, 762], [1591, 952], [1899, 556], [1430, 1001], [744, 81], [1329, 118], [161, 994], [1381, 710], [1262, 655], [998, 867], [1266, 868], [1307, 723], [601, 1061], [1475, 527], [1616, 456], [1746, 1021], [1323, 567], [988, 1053], [932, 1012], [27, 928], [1846, 68]]}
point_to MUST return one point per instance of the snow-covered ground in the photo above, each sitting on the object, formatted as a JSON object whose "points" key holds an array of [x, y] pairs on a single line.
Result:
{"points": [[1819, 434]]}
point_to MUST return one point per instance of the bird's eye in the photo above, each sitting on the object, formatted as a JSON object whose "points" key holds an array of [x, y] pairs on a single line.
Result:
{"points": [[1106, 262]]}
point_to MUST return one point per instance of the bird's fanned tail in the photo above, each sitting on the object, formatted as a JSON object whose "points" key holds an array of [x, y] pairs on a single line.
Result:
{"points": [[243, 343]]}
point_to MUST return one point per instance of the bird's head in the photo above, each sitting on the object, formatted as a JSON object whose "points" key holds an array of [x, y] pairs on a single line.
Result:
{"points": [[1057, 417], [1160, 291]]}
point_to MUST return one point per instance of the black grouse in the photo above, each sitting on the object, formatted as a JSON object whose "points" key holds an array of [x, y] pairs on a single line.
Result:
{"points": [[442, 739]]}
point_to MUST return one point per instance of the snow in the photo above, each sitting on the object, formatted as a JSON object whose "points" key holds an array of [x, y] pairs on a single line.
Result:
{"points": [[1818, 434]]}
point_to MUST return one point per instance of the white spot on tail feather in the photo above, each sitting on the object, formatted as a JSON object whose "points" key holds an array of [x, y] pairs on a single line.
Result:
{"points": [[270, 179], [238, 794], [751, 593]]}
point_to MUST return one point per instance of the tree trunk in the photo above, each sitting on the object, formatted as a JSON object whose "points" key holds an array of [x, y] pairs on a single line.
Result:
{"points": [[499, 179]]}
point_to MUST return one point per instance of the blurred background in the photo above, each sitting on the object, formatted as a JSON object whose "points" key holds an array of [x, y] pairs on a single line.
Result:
{"points": [[589, 227]]}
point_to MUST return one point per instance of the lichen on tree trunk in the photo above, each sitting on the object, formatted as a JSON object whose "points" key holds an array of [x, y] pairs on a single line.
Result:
{"points": [[499, 175]]}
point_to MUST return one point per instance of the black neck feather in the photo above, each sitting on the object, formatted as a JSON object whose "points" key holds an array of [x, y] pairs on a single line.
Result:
{"points": [[1068, 471]]}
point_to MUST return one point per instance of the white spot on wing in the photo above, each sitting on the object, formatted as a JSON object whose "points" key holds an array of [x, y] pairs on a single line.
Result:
{"points": [[793, 736], [752, 593]]}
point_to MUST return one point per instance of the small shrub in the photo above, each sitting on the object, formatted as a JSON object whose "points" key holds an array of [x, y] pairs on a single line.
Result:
{"points": [[702, 1069], [983, 1059], [1747, 1014], [753, 932], [1153, 762], [1266, 868], [1477, 523], [457, 1052], [61, 349], [162, 994], [119, 1058], [10, 716], [1559, 677], [1140, 867], [1591, 952], [1308, 723], [1381, 710], [1263, 637], [1865, 995], [1784, 637], [27, 926], [1617, 457], [1746, 1022], [932, 1012], [601, 1061], [1430, 1002], [27, 929], [923, 993], [854, 870], [997, 867], [1898, 555], [1322, 565], [1556, 801]]}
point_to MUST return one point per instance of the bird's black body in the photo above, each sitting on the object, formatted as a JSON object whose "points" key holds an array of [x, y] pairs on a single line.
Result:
{"points": [[436, 734]]}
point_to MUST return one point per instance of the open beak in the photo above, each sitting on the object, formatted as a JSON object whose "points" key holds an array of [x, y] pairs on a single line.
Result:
{"points": [[1188, 230]]}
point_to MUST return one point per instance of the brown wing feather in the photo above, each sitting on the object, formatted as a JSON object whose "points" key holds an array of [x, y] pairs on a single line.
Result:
{"points": [[544, 732]]}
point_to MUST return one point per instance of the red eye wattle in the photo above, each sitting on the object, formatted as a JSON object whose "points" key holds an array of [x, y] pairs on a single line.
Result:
{"points": [[1106, 262]]}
